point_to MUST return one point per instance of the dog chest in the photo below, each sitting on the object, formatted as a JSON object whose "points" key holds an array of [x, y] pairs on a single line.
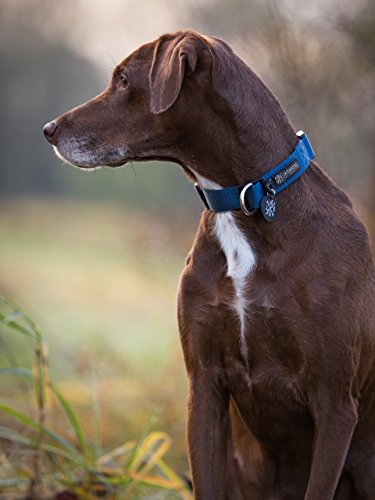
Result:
{"points": [[267, 398]]}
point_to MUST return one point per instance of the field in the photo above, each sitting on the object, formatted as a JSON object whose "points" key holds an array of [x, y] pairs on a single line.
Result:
{"points": [[101, 282]]}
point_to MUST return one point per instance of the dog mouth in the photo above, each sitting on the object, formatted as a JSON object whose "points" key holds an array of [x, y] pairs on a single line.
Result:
{"points": [[90, 167], [77, 156]]}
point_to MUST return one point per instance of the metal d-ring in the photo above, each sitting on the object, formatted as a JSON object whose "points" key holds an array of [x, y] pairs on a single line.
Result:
{"points": [[271, 191], [243, 200]]}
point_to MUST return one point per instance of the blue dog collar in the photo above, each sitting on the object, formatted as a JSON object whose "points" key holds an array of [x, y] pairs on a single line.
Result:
{"points": [[261, 193]]}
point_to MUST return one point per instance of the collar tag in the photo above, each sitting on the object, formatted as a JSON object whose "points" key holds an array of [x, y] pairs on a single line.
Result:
{"points": [[268, 207], [286, 173]]}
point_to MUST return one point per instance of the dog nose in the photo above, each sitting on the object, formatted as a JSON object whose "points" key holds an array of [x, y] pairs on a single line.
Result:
{"points": [[49, 129]]}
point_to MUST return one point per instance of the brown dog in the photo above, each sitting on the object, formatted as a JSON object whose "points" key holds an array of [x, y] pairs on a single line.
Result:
{"points": [[277, 320]]}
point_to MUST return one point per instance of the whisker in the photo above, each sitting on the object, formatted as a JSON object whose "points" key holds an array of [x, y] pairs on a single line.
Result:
{"points": [[111, 58]]}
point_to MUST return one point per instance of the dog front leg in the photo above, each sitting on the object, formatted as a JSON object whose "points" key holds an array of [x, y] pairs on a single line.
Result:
{"points": [[207, 436], [334, 425]]}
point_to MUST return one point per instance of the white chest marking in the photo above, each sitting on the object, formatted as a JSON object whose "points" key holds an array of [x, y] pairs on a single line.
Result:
{"points": [[239, 255]]}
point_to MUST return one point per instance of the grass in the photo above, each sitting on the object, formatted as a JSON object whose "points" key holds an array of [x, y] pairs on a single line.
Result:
{"points": [[101, 278], [39, 461], [102, 281]]}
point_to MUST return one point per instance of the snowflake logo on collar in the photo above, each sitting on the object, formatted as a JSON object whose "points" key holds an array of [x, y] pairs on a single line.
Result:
{"points": [[268, 207]]}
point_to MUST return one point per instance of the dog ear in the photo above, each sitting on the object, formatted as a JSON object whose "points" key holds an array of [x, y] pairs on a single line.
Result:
{"points": [[172, 59]]}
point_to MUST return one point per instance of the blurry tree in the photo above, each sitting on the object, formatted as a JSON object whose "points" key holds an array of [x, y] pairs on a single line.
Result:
{"points": [[39, 80], [361, 32], [42, 76]]}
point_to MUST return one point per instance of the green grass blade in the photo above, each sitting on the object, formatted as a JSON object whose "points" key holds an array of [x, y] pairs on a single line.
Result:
{"points": [[19, 313], [29, 422], [96, 418], [16, 370], [82, 441], [16, 437], [142, 437], [21, 417], [153, 447], [8, 321]]}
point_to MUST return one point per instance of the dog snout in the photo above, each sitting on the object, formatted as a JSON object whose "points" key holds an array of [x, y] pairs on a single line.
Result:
{"points": [[49, 131]]}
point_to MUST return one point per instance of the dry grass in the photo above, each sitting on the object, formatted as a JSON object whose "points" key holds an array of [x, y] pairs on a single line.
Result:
{"points": [[103, 283], [38, 460]]}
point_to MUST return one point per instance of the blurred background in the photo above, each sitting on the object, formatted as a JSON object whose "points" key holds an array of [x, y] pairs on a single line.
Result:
{"points": [[95, 258]]}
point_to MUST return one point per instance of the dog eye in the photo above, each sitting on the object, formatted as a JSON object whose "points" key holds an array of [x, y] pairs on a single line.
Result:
{"points": [[124, 80]]}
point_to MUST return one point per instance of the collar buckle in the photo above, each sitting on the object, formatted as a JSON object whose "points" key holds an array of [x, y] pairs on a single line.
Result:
{"points": [[244, 208]]}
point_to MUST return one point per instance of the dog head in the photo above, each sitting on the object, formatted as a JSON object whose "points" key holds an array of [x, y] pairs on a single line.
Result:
{"points": [[184, 97], [153, 98]]}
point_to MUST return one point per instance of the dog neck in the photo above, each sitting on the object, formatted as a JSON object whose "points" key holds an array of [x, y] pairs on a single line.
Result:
{"points": [[294, 199], [247, 132]]}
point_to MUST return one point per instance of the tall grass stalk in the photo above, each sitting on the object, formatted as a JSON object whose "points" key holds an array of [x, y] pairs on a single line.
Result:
{"points": [[135, 469]]}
